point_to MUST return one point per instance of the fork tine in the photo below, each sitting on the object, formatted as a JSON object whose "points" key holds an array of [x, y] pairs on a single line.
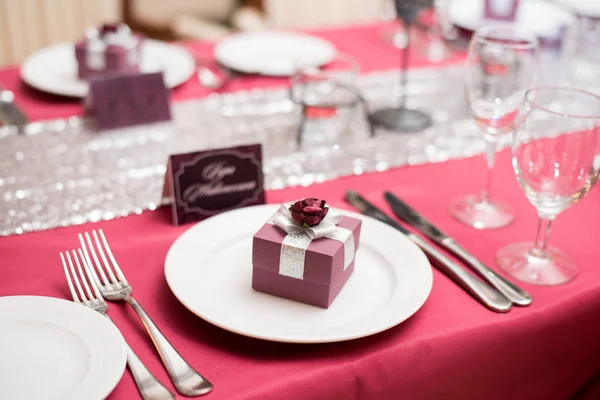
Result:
{"points": [[103, 257], [87, 263], [82, 276], [69, 282], [91, 277], [112, 258], [96, 262], [76, 279]]}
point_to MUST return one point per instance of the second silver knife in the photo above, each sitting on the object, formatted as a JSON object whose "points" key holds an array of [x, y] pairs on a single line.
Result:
{"points": [[403, 211], [487, 295]]}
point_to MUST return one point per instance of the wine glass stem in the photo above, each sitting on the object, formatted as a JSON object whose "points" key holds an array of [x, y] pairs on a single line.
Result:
{"points": [[490, 158], [541, 239], [404, 55]]}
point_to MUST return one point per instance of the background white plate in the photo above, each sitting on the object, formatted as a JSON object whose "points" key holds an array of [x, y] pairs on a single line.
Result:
{"points": [[209, 269], [539, 17], [273, 53], [56, 349], [54, 69]]}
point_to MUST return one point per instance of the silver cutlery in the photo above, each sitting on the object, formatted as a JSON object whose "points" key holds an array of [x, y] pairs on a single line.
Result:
{"points": [[403, 211], [10, 113], [485, 294], [210, 80], [150, 388], [114, 287]]}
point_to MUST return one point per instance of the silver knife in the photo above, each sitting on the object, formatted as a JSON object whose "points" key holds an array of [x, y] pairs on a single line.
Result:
{"points": [[10, 114], [410, 216], [485, 294]]}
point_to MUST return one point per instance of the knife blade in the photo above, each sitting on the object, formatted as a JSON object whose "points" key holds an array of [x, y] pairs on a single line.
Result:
{"points": [[416, 220], [10, 113], [485, 294]]}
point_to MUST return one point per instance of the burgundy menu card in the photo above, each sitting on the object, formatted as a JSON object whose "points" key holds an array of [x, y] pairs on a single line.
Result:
{"points": [[123, 100], [206, 183]]}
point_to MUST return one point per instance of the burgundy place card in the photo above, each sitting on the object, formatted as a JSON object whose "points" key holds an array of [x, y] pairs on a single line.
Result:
{"points": [[209, 182], [123, 100], [501, 10]]}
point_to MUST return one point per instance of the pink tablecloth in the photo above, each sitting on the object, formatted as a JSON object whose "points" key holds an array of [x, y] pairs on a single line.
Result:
{"points": [[453, 348], [364, 43]]}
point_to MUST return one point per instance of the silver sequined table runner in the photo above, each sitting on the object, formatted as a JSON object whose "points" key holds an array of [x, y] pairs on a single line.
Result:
{"points": [[64, 173]]}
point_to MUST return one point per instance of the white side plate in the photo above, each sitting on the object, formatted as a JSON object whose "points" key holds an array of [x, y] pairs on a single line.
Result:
{"points": [[209, 269], [273, 53], [56, 349], [54, 69], [539, 17]]}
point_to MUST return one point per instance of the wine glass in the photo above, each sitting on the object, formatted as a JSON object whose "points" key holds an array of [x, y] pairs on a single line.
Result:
{"points": [[501, 64], [556, 156]]}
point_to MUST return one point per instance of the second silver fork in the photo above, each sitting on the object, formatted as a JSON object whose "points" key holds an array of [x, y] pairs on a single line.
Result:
{"points": [[150, 388], [114, 287]]}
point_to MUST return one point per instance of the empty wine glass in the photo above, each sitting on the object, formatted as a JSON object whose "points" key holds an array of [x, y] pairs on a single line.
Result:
{"points": [[556, 156], [501, 64]]}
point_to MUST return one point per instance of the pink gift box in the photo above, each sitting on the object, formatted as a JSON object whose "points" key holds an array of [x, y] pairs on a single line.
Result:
{"points": [[116, 59], [324, 273]]}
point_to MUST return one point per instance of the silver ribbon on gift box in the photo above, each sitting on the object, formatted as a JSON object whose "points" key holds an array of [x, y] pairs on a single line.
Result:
{"points": [[295, 244], [97, 44]]}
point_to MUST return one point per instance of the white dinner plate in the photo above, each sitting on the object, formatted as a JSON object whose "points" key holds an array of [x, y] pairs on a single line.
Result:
{"points": [[584, 8], [539, 17], [53, 349], [209, 269], [273, 53], [54, 69]]}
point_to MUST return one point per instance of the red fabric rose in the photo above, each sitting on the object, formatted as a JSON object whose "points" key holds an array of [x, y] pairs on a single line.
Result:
{"points": [[309, 212]]}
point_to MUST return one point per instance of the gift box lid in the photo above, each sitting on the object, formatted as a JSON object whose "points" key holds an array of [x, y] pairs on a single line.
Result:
{"points": [[324, 258]]}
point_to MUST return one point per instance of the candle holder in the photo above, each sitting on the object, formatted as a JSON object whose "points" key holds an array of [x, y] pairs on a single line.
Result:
{"points": [[402, 118]]}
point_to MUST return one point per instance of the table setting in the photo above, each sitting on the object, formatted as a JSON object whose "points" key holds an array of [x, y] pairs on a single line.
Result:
{"points": [[306, 214]]}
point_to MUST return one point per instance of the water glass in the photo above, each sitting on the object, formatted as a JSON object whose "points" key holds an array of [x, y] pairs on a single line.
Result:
{"points": [[556, 157], [583, 54]]}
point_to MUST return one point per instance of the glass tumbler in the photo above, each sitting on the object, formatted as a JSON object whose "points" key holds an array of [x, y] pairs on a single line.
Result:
{"points": [[328, 98]]}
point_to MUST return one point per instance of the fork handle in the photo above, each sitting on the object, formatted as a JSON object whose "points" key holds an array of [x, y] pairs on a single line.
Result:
{"points": [[187, 381], [150, 388]]}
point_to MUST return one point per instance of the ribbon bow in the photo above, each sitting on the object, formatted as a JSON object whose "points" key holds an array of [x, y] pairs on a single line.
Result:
{"points": [[96, 45], [283, 219], [122, 37]]}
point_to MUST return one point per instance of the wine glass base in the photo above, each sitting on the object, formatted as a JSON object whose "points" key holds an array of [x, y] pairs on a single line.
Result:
{"points": [[401, 119], [552, 268], [472, 211]]}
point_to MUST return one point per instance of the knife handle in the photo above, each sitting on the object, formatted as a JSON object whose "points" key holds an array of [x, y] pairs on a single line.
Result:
{"points": [[486, 295], [508, 289]]}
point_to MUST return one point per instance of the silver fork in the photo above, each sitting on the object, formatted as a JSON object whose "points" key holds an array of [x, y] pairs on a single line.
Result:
{"points": [[187, 381], [150, 388]]}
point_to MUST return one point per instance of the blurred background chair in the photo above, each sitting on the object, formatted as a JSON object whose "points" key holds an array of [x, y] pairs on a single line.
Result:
{"points": [[211, 19], [320, 13], [28, 25]]}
